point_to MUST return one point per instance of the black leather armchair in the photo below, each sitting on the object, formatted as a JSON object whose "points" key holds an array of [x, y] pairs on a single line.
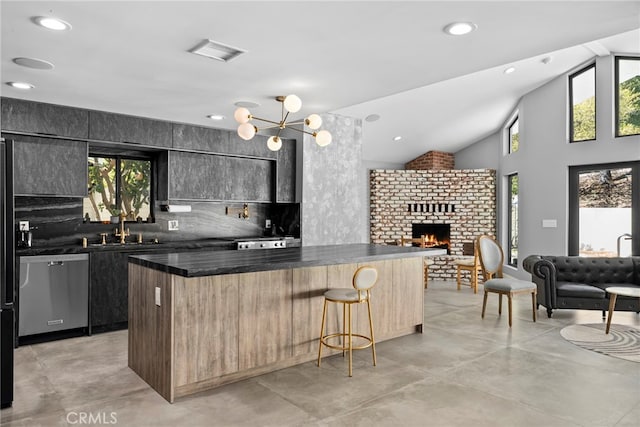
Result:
{"points": [[581, 282]]}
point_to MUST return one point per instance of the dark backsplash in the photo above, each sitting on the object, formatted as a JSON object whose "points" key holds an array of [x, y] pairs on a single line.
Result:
{"points": [[59, 222]]}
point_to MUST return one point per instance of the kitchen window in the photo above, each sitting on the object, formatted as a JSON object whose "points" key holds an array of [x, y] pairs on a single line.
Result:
{"points": [[627, 89], [582, 103], [118, 184]]}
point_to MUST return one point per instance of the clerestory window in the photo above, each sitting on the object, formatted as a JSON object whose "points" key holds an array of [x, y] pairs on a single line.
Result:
{"points": [[582, 103]]}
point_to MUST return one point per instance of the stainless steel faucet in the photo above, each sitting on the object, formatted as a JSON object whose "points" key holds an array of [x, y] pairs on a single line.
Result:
{"points": [[625, 236]]}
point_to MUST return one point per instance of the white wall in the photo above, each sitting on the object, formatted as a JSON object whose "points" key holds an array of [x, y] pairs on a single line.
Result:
{"points": [[543, 159]]}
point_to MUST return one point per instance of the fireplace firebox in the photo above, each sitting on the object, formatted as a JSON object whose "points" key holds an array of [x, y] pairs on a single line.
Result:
{"points": [[438, 235]]}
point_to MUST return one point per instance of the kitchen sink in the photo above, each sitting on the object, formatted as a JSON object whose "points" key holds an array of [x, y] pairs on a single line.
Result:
{"points": [[128, 244]]}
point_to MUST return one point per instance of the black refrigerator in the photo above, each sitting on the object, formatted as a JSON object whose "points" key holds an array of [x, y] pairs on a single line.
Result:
{"points": [[7, 274]]}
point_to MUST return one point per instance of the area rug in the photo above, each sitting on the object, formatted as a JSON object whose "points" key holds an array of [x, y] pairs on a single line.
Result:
{"points": [[622, 341]]}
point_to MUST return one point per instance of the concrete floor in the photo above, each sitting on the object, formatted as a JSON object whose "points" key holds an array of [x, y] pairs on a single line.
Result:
{"points": [[462, 371]]}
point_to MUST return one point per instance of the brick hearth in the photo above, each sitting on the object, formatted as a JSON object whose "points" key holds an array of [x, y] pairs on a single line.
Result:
{"points": [[463, 198]]}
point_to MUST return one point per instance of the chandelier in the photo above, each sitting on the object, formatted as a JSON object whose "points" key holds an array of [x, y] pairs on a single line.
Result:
{"points": [[292, 104]]}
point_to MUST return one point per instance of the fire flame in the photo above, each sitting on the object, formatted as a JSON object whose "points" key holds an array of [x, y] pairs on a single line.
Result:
{"points": [[432, 240]]}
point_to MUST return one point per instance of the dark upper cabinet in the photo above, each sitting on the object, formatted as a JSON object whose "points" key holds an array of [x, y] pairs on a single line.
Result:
{"points": [[256, 147], [193, 176], [249, 179], [286, 172], [136, 130], [35, 117], [50, 167], [188, 137], [221, 141]]}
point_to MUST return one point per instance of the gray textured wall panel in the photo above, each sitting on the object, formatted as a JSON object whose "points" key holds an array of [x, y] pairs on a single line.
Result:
{"points": [[333, 185]]}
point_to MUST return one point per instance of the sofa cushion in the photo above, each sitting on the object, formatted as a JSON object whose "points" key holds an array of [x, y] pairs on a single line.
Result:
{"points": [[579, 290], [593, 270], [604, 286]]}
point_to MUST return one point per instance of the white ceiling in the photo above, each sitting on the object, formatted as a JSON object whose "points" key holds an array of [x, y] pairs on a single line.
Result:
{"points": [[355, 58]]}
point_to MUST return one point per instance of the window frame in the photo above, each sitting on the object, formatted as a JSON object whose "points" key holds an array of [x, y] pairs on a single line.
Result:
{"points": [[595, 106], [513, 121], [616, 93], [510, 219], [118, 184], [573, 234]]}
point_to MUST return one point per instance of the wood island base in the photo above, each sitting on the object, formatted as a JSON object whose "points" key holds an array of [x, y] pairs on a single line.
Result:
{"points": [[213, 330]]}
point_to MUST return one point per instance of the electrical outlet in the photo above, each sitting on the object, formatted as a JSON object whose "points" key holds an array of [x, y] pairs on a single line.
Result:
{"points": [[267, 224], [173, 225], [24, 226], [158, 296]]}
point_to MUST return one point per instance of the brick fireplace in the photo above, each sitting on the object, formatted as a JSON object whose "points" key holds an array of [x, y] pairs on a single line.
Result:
{"points": [[403, 201]]}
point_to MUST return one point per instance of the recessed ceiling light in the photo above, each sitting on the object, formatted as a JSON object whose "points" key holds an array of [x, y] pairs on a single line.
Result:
{"points": [[460, 28], [509, 70], [546, 60], [216, 116], [246, 104], [38, 64], [397, 138], [372, 117], [52, 23], [21, 85]]}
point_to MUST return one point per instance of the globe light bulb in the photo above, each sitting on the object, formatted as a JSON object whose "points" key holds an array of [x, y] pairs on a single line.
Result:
{"points": [[247, 131], [292, 103], [323, 138], [242, 115], [314, 121], [274, 143]]}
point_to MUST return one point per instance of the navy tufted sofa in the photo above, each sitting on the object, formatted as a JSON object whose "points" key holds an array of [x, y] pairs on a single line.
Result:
{"points": [[581, 282]]}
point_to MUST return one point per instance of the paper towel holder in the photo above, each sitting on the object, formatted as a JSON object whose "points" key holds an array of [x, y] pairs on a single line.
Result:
{"points": [[175, 208]]}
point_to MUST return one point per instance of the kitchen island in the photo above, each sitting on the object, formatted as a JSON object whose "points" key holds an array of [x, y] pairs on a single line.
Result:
{"points": [[204, 319]]}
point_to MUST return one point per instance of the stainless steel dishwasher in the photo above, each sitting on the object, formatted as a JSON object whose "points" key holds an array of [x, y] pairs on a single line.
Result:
{"points": [[53, 294]]}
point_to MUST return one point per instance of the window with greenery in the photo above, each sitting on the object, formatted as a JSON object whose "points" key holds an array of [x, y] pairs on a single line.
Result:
{"points": [[514, 135], [118, 185], [627, 96], [582, 92], [512, 244]]}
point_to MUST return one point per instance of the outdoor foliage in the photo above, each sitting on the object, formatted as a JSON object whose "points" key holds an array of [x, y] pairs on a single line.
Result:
{"points": [[629, 107], [584, 113], [606, 189], [134, 187], [584, 120]]}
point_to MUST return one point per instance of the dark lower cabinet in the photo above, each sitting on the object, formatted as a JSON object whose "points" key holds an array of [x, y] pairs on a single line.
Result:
{"points": [[108, 290]]}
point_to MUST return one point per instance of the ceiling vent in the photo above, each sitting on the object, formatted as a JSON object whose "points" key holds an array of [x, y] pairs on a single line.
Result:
{"points": [[216, 50]]}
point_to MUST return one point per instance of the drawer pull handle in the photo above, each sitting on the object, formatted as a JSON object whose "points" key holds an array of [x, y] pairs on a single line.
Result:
{"points": [[52, 263]]}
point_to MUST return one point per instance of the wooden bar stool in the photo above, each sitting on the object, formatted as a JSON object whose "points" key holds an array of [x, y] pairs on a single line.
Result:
{"points": [[471, 264], [363, 280]]}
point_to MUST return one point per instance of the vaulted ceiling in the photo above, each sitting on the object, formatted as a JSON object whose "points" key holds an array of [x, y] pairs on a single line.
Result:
{"points": [[357, 58]]}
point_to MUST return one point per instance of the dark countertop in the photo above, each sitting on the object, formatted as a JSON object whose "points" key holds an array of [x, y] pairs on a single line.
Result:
{"points": [[129, 247], [228, 243], [197, 264]]}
